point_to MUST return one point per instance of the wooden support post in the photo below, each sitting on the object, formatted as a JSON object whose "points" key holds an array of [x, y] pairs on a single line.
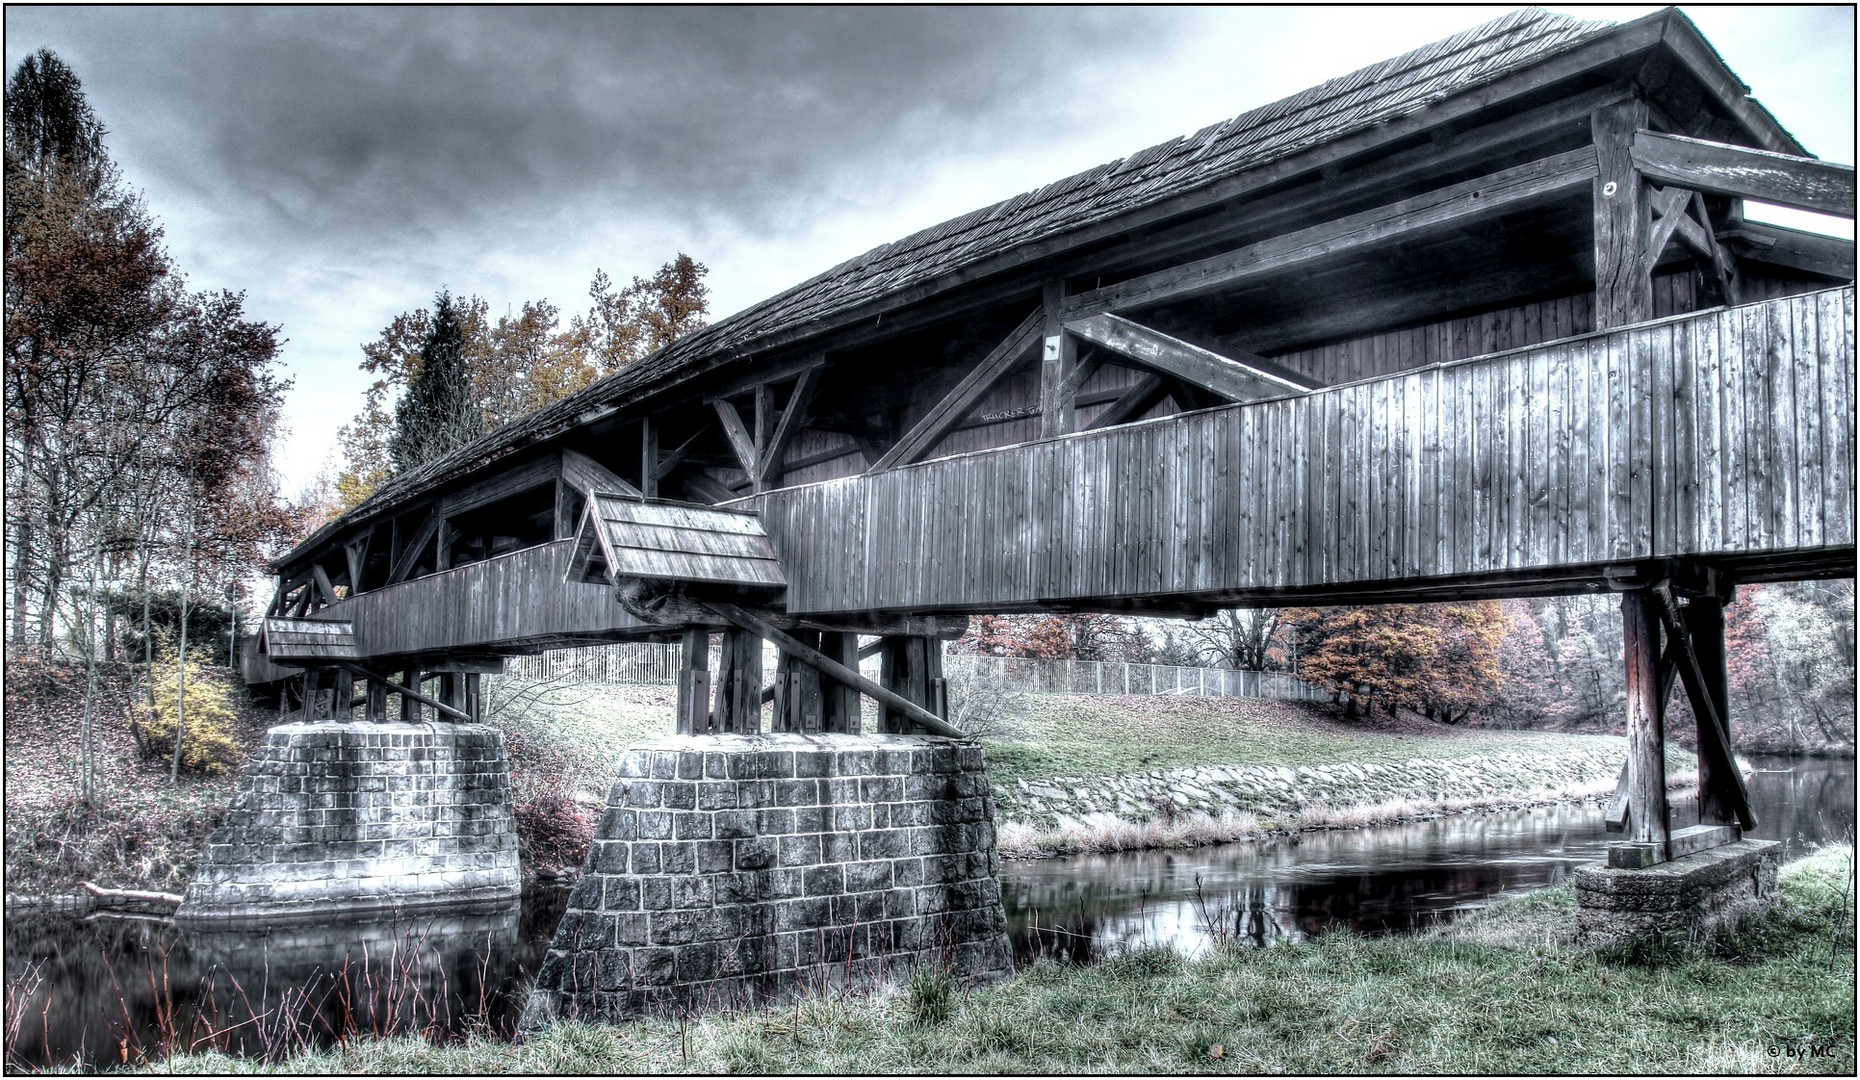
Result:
{"points": [[887, 698], [649, 458], [451, 691], [1646, 724], [694, 684], [739, 684], [1704, 620], [474, 696], [905, 663], [377, 701], [409, 708], [806, 699], [343, 692], [313, 685], [1058, 394], [1623, 289], [840, 708], [777, 693]]}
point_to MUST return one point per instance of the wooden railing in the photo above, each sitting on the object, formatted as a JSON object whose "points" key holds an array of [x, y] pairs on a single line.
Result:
{"points": [[510, 603], [1725, 435]]}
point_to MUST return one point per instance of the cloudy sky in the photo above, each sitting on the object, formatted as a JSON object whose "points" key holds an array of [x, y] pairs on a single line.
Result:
{"points": [[340, 165]]}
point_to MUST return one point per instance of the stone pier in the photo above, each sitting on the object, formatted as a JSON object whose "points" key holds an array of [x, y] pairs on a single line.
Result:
{"points": [[735, 870], [1690, 898], [331, 818]]}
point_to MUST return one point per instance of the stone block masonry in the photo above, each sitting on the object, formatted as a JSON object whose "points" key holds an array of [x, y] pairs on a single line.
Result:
{"points": [[733, 870], [331, 818], [1692, 898]]}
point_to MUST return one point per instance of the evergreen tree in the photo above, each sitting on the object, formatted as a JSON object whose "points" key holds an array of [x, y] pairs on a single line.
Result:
{"points": [[438, 413]]}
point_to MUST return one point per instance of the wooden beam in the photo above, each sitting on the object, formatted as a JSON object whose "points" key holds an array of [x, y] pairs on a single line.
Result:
{"points": [[357, 552], [738, 435], [1059, 357], [1229, 379], [1699, 238], [411, 555], [1809, 252], [323, 587], [707, 489], [1137, 400], [1714, 731], [407, 693], [1669, 206], [648, 457], [1727, 91], [947, 413], [1082, 372], [764, 416], [918, 714], [1646, 729], [1722, 169], [677, 457], [1623, 290], [798, 401], [590, 475], [1453, 206]]}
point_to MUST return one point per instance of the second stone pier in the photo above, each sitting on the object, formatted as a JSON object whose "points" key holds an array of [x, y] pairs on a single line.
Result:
{"points": [[734, 870]]}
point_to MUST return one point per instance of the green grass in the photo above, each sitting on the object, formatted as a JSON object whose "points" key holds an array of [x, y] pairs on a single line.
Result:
{"points": [[1095, 736], [577, 732], [1340, 1004]]}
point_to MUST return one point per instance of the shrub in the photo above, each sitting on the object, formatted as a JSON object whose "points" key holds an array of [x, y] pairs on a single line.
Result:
{"points": [[209, 746], [553, 830]]}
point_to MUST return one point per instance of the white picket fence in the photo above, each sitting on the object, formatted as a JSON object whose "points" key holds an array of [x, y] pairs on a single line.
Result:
{"points": [[657, 664], [1111, 677]]}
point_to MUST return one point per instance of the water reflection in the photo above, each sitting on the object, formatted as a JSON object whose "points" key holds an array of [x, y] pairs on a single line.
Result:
{"points": [[116, 990], [111, 988], [1376, 881]]}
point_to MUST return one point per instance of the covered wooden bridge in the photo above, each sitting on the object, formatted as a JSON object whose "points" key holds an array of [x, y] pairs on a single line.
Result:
{"points": [[1483, 320]]}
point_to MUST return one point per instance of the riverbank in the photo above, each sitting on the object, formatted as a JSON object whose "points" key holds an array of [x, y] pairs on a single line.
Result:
{"points": [[1224, 770], [143, 830], [1776, 997]]}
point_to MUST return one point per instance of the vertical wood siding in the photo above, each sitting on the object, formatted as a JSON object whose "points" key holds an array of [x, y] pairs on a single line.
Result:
{"points": [[511, 598], [1725, 432]]}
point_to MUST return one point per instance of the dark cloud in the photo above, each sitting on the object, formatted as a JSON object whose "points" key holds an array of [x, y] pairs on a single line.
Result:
{"points": [[387, 124]]}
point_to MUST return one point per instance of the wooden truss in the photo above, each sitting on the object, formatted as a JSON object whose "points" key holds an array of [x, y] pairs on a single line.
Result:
{"points": [[1652, 609]]}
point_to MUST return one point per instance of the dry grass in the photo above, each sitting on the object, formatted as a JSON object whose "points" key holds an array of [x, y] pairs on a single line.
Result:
{"points": [[1339, 1004]]}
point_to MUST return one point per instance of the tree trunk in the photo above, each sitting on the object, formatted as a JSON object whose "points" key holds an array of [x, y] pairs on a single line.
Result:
{"points": [[22, 579], [148, 638], [180, 667], [88, 751]]}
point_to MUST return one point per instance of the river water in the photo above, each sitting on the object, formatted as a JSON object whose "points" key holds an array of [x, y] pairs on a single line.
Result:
{"points": [[113, 989]]}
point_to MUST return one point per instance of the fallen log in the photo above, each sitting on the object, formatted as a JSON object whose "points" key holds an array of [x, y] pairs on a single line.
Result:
{"points": [[140, 901]]}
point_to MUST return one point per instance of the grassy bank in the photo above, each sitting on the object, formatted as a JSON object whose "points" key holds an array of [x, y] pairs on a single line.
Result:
{"points": [[1100, 736], [1501, 993]]}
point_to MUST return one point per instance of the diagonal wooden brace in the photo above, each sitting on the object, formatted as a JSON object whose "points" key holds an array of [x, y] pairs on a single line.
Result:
{"points": [[410, 694], [1714, 732], [919, 715]]}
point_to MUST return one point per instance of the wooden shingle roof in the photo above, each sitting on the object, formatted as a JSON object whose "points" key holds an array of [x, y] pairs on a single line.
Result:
{"points": [[1373, 95], [308, 642], [623, 537]]}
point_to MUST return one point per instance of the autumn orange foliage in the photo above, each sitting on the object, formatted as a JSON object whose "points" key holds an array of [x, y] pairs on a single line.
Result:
{"points": [[1440, 659]]}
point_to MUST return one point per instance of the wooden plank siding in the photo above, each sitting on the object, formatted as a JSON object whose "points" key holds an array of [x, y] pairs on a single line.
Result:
{"points": [[1681, 437], [509, 603]]}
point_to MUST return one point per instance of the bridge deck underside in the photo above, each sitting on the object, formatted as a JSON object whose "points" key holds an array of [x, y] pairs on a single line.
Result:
{"points": [[1725, 436]]}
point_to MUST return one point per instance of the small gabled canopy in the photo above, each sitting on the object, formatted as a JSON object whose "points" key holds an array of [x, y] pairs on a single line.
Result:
{"points": [[622, 538], [306, 642]]}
